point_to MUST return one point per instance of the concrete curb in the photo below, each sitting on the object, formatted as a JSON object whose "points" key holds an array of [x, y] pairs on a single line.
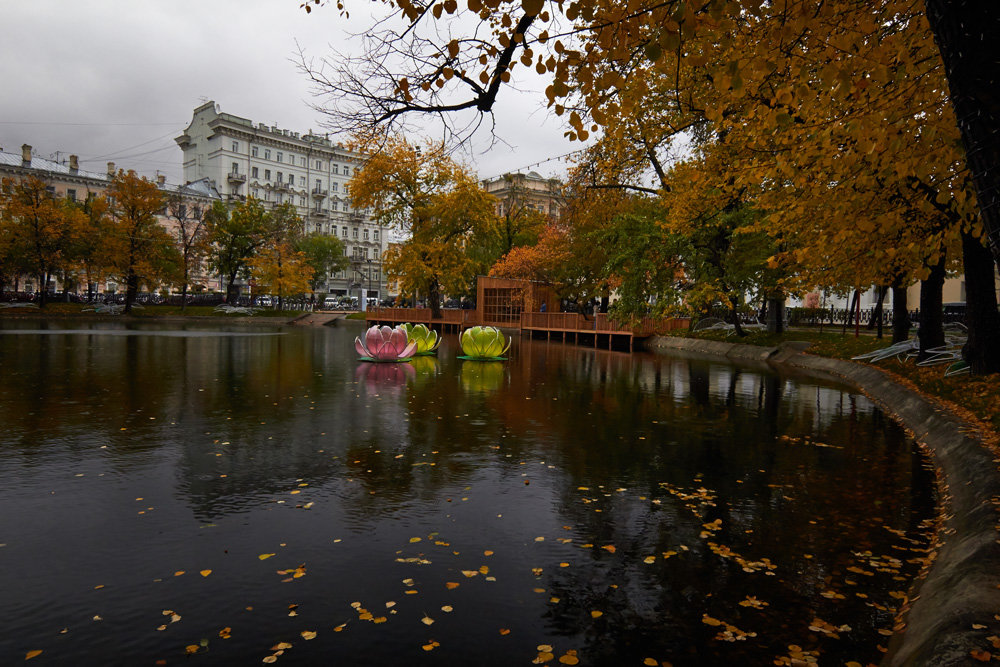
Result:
{"points": [[962, 586]]}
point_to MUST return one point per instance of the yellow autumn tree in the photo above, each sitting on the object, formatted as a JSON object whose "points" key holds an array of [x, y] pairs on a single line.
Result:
{"points": [[436, 203]]}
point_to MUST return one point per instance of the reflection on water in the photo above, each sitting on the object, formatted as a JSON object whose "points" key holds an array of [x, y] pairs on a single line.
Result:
{"points": [[620, 506]]}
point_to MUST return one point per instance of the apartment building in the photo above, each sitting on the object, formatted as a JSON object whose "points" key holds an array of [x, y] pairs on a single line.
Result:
{"points": [[532, 190], [242, 158]]}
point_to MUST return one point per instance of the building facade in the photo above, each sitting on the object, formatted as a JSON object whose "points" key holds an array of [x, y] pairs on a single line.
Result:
{"points": [[274, 165], [67, 180], [530, 190]]}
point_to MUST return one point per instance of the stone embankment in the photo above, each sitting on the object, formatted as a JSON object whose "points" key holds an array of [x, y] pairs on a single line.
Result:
{"points": [[954, 609]]}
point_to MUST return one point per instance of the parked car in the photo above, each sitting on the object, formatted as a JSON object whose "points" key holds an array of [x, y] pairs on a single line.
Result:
{"points": [[330, 303], [953, 311]]}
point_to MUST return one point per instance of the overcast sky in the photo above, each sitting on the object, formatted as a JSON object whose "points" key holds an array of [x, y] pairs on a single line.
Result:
{"points": [[116, 80]]}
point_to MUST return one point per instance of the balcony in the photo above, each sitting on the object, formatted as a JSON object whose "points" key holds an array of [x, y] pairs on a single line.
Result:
{"points": [[283, 187], [318, 213], [319, 193], [236, 177]]}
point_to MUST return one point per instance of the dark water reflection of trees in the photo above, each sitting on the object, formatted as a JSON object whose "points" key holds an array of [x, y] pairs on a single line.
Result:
{"points": [[799, 472]]}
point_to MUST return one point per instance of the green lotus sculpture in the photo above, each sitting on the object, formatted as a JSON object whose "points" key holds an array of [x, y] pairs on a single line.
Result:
{"points": [[484, 344], [427, 340]]}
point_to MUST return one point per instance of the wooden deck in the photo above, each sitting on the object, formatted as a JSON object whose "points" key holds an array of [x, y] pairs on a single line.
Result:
{"points": [[598, 330]]}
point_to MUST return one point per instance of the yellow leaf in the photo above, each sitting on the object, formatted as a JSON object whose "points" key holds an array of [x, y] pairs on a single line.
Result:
{"points": [[505, 631], [650, 662], [610, 548], [470, 573], [32, 654], [269, 659], [205, 573], [191, 649], [264, 556], [178, 573], [487, 553], [427, 620], [281, 646], [308, 634], [447, 609], [596, 614], [451, 584], [649, 559], [414, 539]]}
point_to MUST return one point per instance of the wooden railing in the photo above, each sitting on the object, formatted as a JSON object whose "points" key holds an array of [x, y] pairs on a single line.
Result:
{"points": [[600, 322], [423, 315]]}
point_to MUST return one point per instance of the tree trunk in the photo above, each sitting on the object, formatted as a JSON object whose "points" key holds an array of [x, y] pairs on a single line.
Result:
{"points": [[965, 31], [232, 291], [931, 331], [43, 289], [900, 314], [776, 313], [738, 326], [849, 315], [434, 298], [981, 351], [604, 303], [131, 289], [876, 320]]}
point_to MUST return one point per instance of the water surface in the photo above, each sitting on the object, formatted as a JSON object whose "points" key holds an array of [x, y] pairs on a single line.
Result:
{"points": [[224, 492]]}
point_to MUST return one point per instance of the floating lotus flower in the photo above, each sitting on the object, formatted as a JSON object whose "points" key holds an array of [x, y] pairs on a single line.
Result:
{"points": [[484, 344], [427, 339], [385, 344]]}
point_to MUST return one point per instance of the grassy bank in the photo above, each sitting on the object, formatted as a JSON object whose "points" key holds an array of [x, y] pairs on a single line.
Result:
{"points": [[973, 397], [145, 312]]}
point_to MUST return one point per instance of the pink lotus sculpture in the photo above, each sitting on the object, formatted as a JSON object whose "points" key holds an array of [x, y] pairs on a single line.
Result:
{"points": [[385, 345]]}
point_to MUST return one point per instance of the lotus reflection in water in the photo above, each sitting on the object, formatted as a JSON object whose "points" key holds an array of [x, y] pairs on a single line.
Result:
{"points": [[384, 344], [384, 378], [484, 344], [483, 377]]}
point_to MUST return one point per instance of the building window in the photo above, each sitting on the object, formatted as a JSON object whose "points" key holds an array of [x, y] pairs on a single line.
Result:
{"points": [[253, 151], [347, 170], [375, 234], [354, 233], [267, 195], [302, 161], [319, 165], [335, 168], [279, 156], [267, 153], [279, 199], [236, 147], [71, 195], [333, 187], [254, 172], [343, 232], [255, 192], [280, 177], [366, 234], [236, 167], [302, 201], [345, 206], [302, 181], [267, 174]]}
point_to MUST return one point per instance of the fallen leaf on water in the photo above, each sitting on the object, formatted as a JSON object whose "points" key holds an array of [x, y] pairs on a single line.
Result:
{"points": [[451, 584], [650, 662], [427, 620], [564, 564], [649, 559], [205, 573], [264, 556], [609, 548], [981, 656], [487, 553], [570, 658], [191, 649], [470, 573], [225, 633], [308, 634], [430, 646], [504, 631], [484, 570], [32, 654], [390, 604], [447, 608], [596, 614], [270, 659], [537, 571], [415, 539], [178, 573], [539, 539], [281, 646]]}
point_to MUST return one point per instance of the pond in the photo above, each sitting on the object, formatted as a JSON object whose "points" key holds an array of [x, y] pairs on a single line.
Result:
{"points": [[258, 495]]}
